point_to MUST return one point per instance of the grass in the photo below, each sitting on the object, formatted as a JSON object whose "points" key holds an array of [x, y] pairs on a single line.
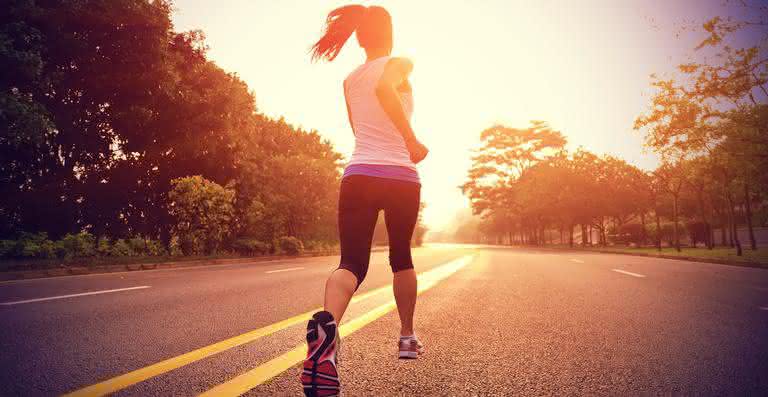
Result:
{"points": [[720, 253]]}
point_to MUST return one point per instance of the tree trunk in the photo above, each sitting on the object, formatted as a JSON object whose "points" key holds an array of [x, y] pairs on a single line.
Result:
{"points": [[658, 230], [570, 235], [734, 226], [643, 230], [708, 241], [730, 232], [723, 241], [675, 232], [603, 235], [748, 215]]}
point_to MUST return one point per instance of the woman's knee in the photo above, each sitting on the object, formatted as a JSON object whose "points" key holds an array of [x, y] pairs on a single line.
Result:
{"points": [[359, 271]]}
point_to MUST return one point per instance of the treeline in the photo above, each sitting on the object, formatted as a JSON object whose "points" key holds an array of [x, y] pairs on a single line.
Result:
{"points": [[710, 127], [115, 125]]}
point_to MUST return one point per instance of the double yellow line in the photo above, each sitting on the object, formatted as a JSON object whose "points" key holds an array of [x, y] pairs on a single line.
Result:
{"points": [[272, 368]]}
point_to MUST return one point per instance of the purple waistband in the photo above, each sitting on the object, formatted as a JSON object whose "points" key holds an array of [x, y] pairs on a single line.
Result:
{"points": [[383, 171]]}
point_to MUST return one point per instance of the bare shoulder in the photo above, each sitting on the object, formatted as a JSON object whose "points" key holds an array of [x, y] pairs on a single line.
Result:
{"points": [[396, 71], [403, 64]]}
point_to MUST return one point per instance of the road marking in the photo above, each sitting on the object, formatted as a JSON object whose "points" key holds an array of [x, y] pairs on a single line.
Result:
{"points": [[131, 378], [241, 384], [577, 260], [763, 307], [50, 298], [628, 273], [284, 270]]}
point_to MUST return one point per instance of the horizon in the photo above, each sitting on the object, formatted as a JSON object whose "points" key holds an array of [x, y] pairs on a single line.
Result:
{"points": [[593, 100]]}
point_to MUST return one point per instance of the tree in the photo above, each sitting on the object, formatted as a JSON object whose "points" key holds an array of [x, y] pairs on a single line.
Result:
{"points": [[103, 105], [202, 211], [716, 110], [505, 155], [671, 179]]}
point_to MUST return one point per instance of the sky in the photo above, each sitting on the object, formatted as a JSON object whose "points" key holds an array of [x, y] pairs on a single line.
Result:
{"points": [[582, 66]]}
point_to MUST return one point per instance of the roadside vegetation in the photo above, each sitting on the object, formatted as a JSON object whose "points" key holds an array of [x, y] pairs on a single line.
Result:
{"points": [[120, 138], [709, 125]]}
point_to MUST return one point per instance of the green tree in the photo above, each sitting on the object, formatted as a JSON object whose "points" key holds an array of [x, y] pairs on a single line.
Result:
{"points": [[203, 211]]}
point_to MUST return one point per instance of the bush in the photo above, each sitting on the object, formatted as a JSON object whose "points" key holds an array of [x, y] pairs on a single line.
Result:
{"points": [[250, 247], [47, 250], [32, 245], [121, 248], [79, 245], [6, 248], [313, 245], [203, 212], [629, 233], [290, 245], [318, 245], [155, 248], [667, 233], [138, 246], [103, 247], [174, 246]]}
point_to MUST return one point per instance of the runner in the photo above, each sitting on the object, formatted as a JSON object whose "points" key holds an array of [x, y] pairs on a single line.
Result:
{"points": [[381, 175]]}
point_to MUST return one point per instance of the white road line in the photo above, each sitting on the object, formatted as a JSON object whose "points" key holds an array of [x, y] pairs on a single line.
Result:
{"points": [[50, 298], [764, 308], [284, 270], [628, 273], [577, 260]]}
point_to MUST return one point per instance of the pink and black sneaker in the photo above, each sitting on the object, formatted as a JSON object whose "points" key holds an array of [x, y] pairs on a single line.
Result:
{"points": [[319, 377]]}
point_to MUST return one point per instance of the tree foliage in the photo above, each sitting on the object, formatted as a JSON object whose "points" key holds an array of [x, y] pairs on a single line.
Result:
{"points": [[709, 123], [103, 105], [203, 212]]}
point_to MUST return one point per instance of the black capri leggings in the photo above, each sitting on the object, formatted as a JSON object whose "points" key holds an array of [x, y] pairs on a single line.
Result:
{"points": [[360, 199]]}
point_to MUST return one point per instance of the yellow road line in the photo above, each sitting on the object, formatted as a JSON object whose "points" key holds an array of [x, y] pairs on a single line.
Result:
{"points": [[131, 378], [120, 382], [241, 384]]}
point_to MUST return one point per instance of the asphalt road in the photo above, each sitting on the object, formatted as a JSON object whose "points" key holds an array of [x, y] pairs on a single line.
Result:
{"points": [[494, 321]]}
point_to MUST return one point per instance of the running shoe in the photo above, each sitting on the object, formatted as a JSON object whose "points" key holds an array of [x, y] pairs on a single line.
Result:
{"points": [[319, 377], [410, 347]]}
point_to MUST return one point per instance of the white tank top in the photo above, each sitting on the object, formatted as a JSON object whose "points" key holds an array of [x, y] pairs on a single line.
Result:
{"points": [[377, 140]]}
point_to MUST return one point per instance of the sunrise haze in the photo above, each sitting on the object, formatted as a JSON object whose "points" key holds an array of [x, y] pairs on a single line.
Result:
{"points": [[583, 67]]}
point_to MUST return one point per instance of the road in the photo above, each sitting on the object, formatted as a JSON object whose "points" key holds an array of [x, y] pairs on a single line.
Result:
{"points": [[495, 321]]}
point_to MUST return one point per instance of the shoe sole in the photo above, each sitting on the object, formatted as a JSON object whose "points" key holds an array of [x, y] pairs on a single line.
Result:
{"points": [[408, 355], [325, 382]]}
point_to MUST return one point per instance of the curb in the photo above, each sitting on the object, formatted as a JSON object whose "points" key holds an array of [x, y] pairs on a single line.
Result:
{"points": [[132, 267]]}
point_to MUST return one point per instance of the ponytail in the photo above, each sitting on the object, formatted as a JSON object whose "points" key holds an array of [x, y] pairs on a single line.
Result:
{"points": [[339, 25]]}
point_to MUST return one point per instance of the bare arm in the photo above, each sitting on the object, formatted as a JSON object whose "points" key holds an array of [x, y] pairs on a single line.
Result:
{"points": [[396, 72]]}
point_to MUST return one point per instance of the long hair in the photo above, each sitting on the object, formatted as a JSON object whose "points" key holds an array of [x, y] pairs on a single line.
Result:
{"points": [[373, 27]]}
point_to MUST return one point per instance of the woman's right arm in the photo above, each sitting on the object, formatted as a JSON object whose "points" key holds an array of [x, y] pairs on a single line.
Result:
{"points": [[395, 73]]}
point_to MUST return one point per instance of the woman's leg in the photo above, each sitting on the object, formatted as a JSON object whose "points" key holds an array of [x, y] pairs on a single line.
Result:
{"points": [[404, 286], [358, 212], [339, 288], [401, 213]]}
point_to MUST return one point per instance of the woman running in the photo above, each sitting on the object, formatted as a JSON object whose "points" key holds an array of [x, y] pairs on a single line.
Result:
{"points": [[381, 175]]}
